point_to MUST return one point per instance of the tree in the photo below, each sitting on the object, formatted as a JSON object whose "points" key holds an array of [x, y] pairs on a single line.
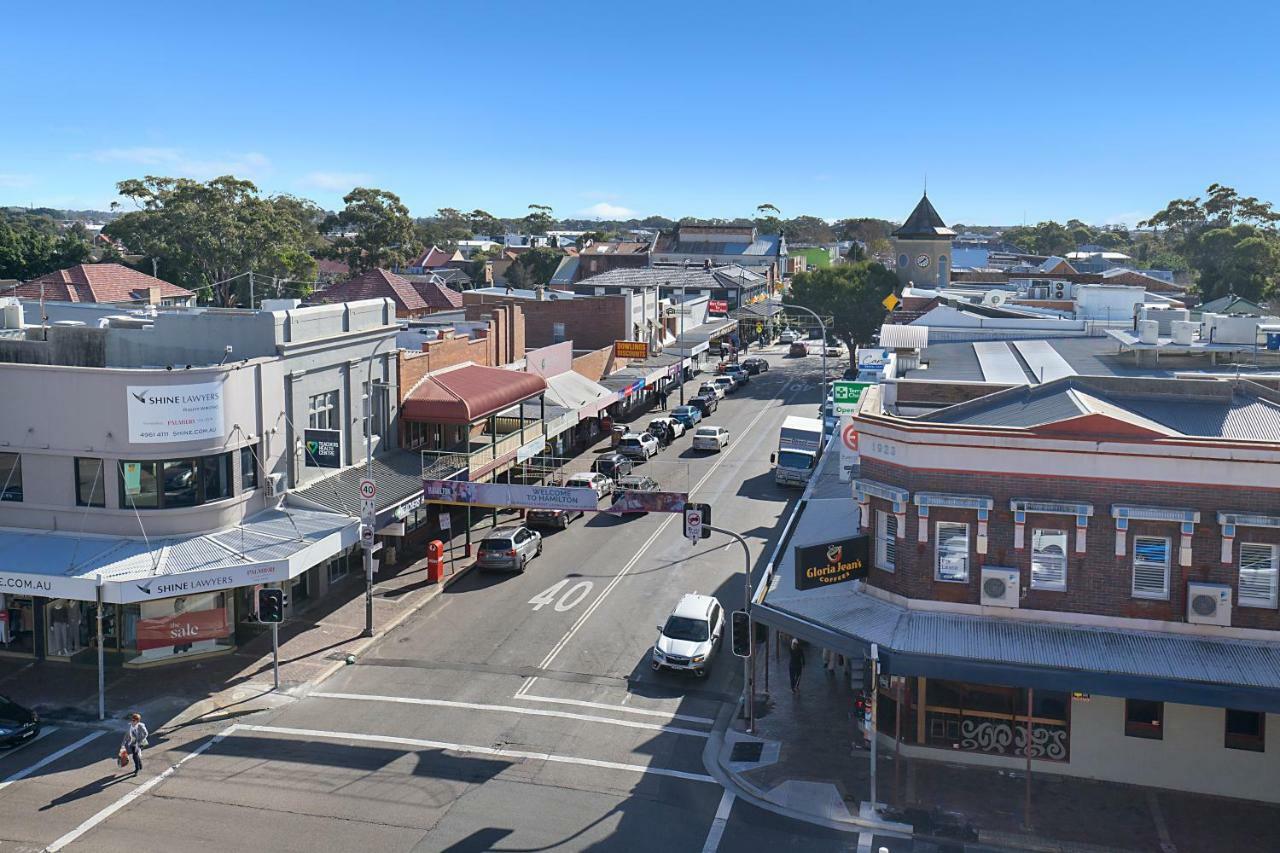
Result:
{"points": [[32, 244], [539, 219], [376, 231], [768, 219], [484, 222], [533, 268], [851, 294], [1046, 238], [203, 234], [808, 229]]}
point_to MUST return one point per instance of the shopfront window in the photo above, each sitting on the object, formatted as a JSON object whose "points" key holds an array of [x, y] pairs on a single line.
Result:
{"points": [[186, 625], [340, 566], [91, 490], [17, 624], [1144, 718], [173, 483], [10, 477], [63, 620], [991, 719]]}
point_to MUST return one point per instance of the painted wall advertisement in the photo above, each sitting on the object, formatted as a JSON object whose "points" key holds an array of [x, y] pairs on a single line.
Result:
{"points": [[832, 562], [323, 448], [171, 413], [501, 494]]}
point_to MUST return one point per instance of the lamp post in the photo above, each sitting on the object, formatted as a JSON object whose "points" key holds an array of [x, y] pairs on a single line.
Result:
{"points": [[368, 473]]}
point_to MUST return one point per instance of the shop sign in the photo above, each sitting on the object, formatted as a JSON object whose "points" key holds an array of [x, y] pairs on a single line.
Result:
{"points": [[80, 589], [717, 306], [849, 458], [871, 357], [190, 583], [171, 413], [632, 500], [832, 562], [847, 395], [631, 349], [406, 509], [505, 495], [188, 626], [323, 448]]}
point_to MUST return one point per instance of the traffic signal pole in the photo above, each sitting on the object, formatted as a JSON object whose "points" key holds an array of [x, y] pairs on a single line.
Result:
{"points": [[748, 671], [275, 652]]}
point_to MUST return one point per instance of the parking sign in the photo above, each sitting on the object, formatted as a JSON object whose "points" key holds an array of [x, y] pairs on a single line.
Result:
{"points": [[847, 395]]}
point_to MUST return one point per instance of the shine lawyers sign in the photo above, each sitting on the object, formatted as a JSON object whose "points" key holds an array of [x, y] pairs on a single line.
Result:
{"points": [[167, 413]]}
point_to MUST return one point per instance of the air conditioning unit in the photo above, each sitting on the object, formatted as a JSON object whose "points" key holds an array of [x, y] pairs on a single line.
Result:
{"points": [[1208, 603], [1000, 587], [275, 485], [1059, 290]]}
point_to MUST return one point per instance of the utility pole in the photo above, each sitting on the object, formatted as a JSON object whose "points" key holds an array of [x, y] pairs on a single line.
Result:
{"points": [[872, 699], [368, 473], [250, 290]]}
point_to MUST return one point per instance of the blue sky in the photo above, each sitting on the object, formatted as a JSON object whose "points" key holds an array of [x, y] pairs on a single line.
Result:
{"points": [[1027, 110]]}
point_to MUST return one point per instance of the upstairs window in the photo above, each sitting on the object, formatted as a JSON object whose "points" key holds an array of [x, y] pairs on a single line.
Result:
{"points": [[1144, 719], [1150, 567], [90, 488], [1048, 559], [174, 483], [1258, 570], [322, 411], [886, 541], [10, 477], [952, 552], [248, 468]]}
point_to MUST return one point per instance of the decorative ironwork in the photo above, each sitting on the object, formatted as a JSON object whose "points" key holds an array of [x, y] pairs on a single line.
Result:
{"points": [[1007, 737]]}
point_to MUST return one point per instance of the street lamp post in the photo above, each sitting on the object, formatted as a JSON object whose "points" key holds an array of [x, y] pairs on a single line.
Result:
{"points": [[368, 473]]}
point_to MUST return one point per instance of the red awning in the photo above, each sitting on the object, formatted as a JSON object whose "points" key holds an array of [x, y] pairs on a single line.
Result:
{"points": [[465, 394]]}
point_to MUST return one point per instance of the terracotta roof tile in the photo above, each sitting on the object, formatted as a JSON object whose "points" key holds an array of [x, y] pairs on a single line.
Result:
{"points": [[375, 284], [436, 295], [97, 283]]}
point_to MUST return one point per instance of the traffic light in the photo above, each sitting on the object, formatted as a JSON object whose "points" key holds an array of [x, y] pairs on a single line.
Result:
{"points": [[271, 605], [868, 676], [740, 633]]}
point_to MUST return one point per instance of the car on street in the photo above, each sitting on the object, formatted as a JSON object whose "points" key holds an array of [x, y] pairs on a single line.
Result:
{"points": [[798, 350], [560, 518], [706, 403], [17, 724], [788, 337], [711, 388], [509, 548], [638, 445], [834, 350], [739, 374], [613, 465], [677, 428], [688, 639], [601, 484], [727, 383], [710, 438], [689, 416], [755, 366]]}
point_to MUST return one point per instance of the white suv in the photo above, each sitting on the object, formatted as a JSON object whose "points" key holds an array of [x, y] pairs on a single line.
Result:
{"points": [[710, 438], [689, 638], [638, 445]]}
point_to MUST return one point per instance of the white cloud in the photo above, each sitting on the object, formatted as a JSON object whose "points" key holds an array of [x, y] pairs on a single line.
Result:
{"points": [[604, 210], [177, 162], [14, 181], [338, 182]]}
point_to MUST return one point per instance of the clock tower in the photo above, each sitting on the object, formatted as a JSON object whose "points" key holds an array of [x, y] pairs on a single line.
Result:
{"points": [[922, 248]]}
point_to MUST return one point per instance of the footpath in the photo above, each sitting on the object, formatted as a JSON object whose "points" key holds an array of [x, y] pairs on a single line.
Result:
{"points": [[802, 762]]}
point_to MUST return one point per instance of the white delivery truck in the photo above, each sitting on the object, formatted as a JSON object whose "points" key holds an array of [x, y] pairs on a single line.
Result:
{"points": [[799, 445]]}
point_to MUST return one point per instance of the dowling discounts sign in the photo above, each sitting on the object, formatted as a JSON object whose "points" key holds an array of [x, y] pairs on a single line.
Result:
{"points": [[166, 413]]}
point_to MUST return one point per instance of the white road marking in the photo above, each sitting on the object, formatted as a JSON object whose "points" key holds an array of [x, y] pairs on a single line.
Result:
{"points": [[605, 706], [49, 759], [717, 826], [512, 709], [41, 735], [480, 750], [559, 647], [135, 793]]}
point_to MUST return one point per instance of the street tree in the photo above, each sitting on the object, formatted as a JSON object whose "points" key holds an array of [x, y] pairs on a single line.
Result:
{"points": [[374, 231], [851, 294], [202, 234]]}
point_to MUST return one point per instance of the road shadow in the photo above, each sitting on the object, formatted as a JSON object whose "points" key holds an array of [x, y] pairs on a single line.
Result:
{"points": [[97, 786]]}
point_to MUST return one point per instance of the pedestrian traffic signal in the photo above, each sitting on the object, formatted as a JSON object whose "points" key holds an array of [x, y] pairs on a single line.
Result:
{"points": [[271, 605], [740, 633]]}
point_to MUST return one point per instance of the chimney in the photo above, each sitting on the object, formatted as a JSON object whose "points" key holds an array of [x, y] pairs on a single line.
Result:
{"points": [[706, 264]]}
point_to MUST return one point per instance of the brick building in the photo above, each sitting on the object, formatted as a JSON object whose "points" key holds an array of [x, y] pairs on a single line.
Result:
{"points": [[1094, 560]]}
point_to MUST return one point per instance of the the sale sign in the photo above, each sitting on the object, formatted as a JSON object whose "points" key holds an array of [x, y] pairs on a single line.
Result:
{"points": [[189, 626]]}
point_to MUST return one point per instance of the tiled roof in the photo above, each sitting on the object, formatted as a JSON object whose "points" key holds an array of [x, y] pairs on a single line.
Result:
{"points": [[436, 295], [97, 283], [375, 284], [431, 258], [924, 222]]}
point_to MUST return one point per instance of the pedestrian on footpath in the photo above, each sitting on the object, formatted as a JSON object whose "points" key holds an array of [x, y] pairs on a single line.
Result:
{"points": [[135, 740], [662, 400], [797, 664]]}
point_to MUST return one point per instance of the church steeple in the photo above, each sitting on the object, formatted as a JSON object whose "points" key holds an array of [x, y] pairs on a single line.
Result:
{"points": [[924, 223]]}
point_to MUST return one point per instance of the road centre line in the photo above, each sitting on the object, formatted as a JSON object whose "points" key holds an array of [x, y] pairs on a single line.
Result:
{"points": [[717, 826], [479, 750], [626, 709], [136, 792], [513, 709], [52, 757], [555, 651]]}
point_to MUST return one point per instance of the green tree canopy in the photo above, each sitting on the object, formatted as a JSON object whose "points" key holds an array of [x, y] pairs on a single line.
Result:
{"points": [[375, 230], [533, 268], [205, 233], [851, 294], [539, 219], [32, 244]]}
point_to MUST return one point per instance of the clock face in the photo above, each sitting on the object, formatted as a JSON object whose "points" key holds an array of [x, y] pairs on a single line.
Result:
{"points": [[922, 261]]}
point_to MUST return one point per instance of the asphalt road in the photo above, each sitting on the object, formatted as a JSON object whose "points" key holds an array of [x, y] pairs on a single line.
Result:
{"points": [[515, 712]]}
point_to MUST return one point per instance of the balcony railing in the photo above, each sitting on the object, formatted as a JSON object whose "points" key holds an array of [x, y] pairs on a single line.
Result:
{"points": [[476, 454]]}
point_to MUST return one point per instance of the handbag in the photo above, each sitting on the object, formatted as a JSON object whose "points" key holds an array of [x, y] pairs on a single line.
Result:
{"points": [[123, 758]]}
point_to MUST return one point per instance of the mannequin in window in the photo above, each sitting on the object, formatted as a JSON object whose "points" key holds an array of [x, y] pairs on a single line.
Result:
{"points": [[59, 630]]}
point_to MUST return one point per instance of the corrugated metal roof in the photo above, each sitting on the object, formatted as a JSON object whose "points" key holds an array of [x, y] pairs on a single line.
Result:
{"points": [[398, 475], [895, 336]]}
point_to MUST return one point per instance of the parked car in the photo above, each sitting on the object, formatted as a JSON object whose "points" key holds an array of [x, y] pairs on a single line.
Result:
{"points": [[612, 464], [739, 374], [798, 349], [788, 337], [706, 403], [638, 445], [677, 428], [17, 724], [590, 480], [688, 416], [634, 483], [690, 636], [755, 366], [710, 438], [711, 388], [560, 518], [834, 350], [727, 383], [509, 548]]}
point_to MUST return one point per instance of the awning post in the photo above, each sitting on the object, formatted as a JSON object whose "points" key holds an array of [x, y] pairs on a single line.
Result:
{"points": [[102, 675]]}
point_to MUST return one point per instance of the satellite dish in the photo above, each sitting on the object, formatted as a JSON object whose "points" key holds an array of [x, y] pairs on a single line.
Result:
{"points": [[995, 298]]}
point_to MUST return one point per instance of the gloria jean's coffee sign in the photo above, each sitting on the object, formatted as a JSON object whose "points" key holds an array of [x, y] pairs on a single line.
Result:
{"points": [[832, 562], [166, 413]]}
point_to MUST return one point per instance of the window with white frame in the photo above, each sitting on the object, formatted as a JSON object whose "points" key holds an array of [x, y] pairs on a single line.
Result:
{"points": [[1048, 559], [557, 333], [322, 411], [952, 552], [1150, 567], [886, 541], [1258, 575]]}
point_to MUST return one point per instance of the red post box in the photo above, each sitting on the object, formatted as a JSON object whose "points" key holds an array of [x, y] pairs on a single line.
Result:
{"points": [[435, 561]]}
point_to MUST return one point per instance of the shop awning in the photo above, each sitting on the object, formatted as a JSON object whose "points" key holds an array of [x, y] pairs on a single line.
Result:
{"points": [[696, 339], [467, 393], [397, 475], [275, 545], [575, 391]]}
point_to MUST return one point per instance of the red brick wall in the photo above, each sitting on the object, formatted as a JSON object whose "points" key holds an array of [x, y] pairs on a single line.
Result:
{"points": [[597, 363], [1098, 582], [437, 355], [590, 322]]}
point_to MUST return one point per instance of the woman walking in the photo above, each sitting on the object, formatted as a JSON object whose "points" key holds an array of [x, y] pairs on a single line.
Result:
{"points": [[135, 739]]}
